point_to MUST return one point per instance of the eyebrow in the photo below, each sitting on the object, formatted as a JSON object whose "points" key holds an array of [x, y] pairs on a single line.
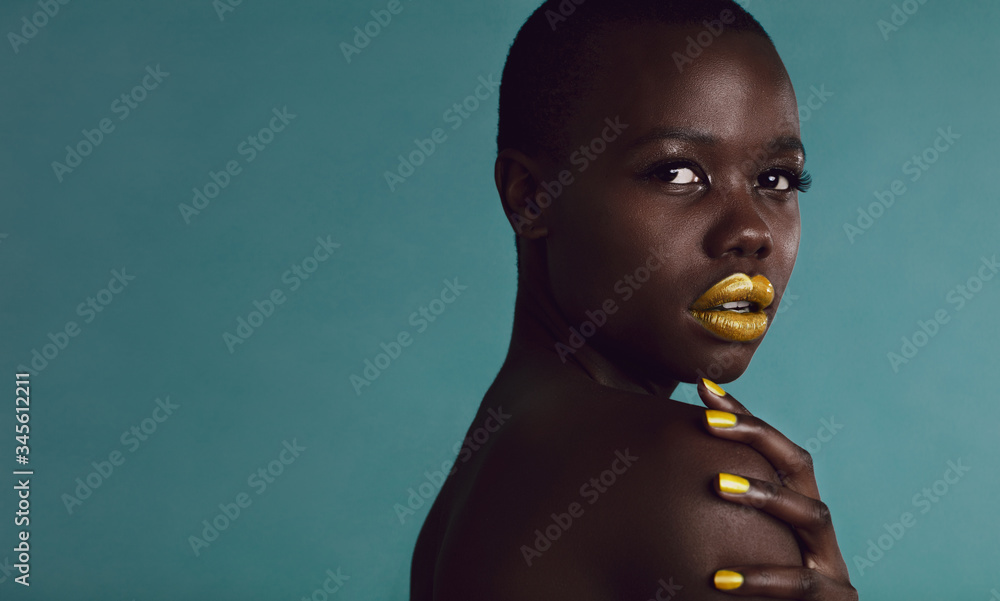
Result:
{"points": [[789, 143], [674, 133], [781, 143]]}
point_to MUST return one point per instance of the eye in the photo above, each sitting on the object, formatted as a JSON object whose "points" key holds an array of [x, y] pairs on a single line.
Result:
{"points": [[781, 180], [676, 173], [774, 180]]}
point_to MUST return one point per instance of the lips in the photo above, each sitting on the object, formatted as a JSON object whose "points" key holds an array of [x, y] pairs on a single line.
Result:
{"points": [[733, 309]]}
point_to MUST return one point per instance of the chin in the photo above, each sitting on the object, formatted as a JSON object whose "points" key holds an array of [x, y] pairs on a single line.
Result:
{"points": [[727, 374], [721, 363], [683, 352]]}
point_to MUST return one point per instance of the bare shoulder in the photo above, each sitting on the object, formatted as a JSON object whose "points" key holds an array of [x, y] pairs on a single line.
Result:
{"points": [[680, 531], [505, 495], [592, 493]]}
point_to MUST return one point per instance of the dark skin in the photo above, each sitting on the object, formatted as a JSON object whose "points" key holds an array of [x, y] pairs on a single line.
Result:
{"points": [[703, 172]]}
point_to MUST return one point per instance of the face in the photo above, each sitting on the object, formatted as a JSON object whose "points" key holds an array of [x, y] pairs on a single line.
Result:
{"points": [[694, 182]]}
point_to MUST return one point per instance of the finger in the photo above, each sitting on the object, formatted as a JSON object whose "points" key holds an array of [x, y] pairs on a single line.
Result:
{"points": [[715, 397], [792, 463], [782, 582], [810, 517]]}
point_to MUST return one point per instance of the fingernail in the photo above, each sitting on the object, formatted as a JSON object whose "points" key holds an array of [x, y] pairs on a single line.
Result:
{"points": [[715, 388], [720, 419], [733, 484], [726, 580]]}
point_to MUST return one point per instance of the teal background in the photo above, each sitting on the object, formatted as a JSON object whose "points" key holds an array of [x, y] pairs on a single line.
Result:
{"points": [[849, 304]]}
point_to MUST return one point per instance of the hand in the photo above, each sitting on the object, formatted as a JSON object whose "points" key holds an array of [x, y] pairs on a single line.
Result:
{"points": [[824, 576]]}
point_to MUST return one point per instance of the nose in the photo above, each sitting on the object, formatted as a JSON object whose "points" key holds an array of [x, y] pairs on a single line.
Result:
{"points": [[738, 228]]}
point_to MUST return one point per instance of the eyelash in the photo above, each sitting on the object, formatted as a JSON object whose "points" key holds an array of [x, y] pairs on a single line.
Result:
{"points": [[796, 181], [800, 181]]}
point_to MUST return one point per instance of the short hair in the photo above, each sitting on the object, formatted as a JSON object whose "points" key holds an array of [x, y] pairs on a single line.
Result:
{"points": [[553, 58]]}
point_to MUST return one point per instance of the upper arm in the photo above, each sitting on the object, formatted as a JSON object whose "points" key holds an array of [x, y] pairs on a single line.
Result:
{"points": [[503, 543], [678, 528], [609, 506]]}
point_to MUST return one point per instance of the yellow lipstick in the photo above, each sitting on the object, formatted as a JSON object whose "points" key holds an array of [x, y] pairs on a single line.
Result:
{"points": [[733, 309]]}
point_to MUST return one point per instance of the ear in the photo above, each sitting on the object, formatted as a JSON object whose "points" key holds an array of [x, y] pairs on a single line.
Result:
{"points": [[518, 179]]}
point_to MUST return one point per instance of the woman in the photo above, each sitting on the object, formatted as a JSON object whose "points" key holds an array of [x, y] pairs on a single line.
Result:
{"points": [[649, 162]]}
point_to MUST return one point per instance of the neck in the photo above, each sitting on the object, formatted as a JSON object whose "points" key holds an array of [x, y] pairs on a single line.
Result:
{"points": [[539, 325]]}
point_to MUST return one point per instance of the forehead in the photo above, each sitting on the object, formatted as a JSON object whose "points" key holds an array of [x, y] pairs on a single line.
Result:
{"points": [[734, 87]]}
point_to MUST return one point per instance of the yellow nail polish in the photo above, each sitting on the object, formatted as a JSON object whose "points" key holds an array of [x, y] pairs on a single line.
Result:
{"points": [[715, 388], [720, 419], [726, 580], [733, 484]]}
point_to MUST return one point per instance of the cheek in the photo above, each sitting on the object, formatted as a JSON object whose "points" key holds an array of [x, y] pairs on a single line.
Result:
{"points": [[593, 241], [645, 286], [786, 229], [605, 243], [789, 245]]}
